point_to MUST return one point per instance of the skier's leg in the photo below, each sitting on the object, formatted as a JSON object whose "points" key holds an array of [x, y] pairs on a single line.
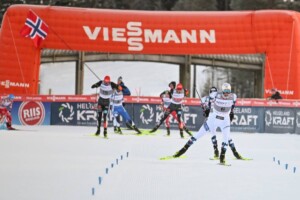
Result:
{"points": [[9, 120], [128, 120], [167, 123], [99, 119], [225, 131], [180, 125], [215, 144], [202, 131], [166, 114], [233, 149], [105, 112]]}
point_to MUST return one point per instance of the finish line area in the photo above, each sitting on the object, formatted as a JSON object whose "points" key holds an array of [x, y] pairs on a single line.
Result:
{"points": [[66, 162]]}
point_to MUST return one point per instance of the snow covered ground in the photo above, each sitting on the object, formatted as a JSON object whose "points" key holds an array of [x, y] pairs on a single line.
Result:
{"points": [[65, 163]]}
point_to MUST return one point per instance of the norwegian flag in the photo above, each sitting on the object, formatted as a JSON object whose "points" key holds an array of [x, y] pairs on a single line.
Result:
{"points": [[35, 28]]}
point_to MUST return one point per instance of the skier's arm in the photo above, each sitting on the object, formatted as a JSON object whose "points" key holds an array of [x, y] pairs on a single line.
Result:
{"points": [[126, 91], [186, 92], [231, 114], [113, 85], [96, 84]]}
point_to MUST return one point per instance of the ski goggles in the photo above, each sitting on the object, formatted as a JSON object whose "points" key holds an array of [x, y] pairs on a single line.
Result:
{"points": [[226, 91]]}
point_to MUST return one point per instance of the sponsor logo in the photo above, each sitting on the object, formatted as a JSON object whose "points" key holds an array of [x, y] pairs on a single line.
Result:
{"points": [[279, 118], [31, 113], [66, 112], [136, 36], [9, 83], [86, 112], [147, 114], [298, 119], [245, 120], [283, 92], [268, 118], [55, 98], [244, 102]]}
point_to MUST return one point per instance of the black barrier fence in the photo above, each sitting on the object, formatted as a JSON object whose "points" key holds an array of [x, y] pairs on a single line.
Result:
{"points": [[145, 116]]}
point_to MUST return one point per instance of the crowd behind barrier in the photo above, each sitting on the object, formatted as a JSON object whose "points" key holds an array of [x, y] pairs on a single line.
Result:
{"points": [[251, 115]]}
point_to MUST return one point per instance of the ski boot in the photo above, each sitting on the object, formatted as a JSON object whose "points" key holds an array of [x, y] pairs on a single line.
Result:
{"points": [[105, 132], [9, 127], [115, 129], [187, 131], [97, 132], [154, 129], [128, 126], [222, 156], [237, 155], [119, 130], [185, 148], [216, 153], [234, 151], [168, 131], [136, 129], [181, 134]]}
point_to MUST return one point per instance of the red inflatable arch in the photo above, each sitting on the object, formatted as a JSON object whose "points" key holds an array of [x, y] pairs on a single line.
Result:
{"points": [[274, 33]]}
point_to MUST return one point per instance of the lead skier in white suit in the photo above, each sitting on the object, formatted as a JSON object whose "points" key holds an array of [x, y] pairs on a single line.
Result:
{"points": [[205, 101], [223, 105]]}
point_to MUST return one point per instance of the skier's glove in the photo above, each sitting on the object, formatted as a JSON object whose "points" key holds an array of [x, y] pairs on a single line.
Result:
{"points": [[231, 115], [94, 86], [187, 92], [206, 112]]}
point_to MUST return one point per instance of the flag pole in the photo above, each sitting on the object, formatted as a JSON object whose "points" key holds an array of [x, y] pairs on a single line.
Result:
{"points": [[17, 54]]}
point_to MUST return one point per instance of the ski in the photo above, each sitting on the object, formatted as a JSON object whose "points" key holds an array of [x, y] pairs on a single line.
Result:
{"points": [[244, 159], [171, 157], [224, 164], [97, 136], [144, 133]]}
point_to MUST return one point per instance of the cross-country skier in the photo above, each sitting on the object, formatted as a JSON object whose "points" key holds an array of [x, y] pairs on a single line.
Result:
{"points": [[224, 103], [166, 101], [118, 109], [205, 105], [126, 92], [125, 89], [5, 110], [106, 90], [176, 105]]}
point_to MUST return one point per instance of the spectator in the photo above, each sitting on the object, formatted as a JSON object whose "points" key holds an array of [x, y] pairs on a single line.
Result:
{"points": [[275, 95]]}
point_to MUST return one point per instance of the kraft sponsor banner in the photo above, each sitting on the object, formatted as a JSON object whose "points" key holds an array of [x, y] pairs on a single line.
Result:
{"points": [[247, 119], [297, 121], [144, 115], [31, 113], [79, 114], [279, 120], [70, 113], [148, 115], [156, 100]]}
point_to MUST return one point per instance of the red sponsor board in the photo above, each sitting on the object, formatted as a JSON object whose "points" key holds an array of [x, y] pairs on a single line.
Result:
{"points": [[156, 100]]}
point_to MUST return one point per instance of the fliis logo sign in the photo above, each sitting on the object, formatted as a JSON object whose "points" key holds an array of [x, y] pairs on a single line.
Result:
{"points": [[31, 113]]}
